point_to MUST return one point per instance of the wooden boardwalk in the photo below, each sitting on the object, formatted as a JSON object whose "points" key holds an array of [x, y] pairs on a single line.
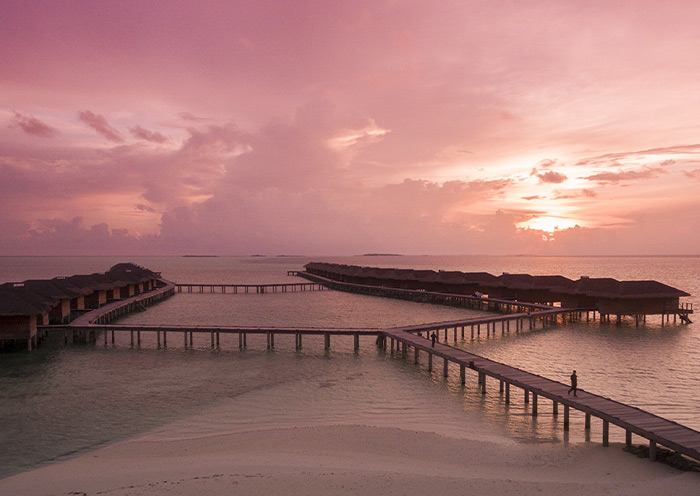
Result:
{"points": [[655, 429], [188, 332], [249, 288]]}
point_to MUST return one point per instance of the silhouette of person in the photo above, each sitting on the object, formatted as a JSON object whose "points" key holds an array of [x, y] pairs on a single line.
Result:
{"points": [[433, 338], [574, 383]]}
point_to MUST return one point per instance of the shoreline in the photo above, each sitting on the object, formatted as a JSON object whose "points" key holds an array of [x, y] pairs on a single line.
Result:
{"points": [[215, 454], [348, 459]]}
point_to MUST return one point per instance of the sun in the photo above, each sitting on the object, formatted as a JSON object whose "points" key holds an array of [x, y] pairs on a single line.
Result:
{"points": [[547, 223]]}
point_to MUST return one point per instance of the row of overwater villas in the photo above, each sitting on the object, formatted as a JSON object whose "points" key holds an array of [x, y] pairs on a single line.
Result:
{"points": [[26, 305], [608, 296]]}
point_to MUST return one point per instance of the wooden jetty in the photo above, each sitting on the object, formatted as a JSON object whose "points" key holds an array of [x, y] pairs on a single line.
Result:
{"points": [[655, 429], [248, 288], [188, 332]]}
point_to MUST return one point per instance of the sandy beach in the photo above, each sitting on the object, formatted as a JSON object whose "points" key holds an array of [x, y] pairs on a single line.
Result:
{"points": [[348, 459]]}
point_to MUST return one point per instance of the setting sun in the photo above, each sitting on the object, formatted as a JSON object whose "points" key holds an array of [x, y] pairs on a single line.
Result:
{"points": [[547, 224]]}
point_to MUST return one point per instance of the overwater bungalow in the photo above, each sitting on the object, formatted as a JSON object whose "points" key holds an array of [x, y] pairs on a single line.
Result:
{"points": [[606, 295], [18, 318], [26, 305]]}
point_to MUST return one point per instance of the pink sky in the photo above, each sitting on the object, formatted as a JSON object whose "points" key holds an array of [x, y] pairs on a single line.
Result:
{"points": [[316, 127]]}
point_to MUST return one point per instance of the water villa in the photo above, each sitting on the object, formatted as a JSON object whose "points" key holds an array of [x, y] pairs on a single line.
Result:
{"points": [[606, 296], [26, 305]]}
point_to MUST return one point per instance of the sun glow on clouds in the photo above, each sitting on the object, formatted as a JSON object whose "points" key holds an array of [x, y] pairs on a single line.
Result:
{"points": [[354, 126]]}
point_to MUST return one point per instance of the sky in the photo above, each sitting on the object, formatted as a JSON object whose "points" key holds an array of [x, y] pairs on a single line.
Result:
{"points": [[337, 128]]}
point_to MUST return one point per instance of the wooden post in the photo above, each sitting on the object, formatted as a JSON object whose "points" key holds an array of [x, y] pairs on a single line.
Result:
{"points": [[555, 409], [212, 338], [416, 352], [652, 450], [534, 404], [217, 340], [462, 374], [482, 380], [327, 339], [587, 424], [185, 334], [191, 338], [527, 396], [444, 367], [507, 393], [628, 438], [501, 386], [132, 338], [606, 432], [566, 417], [165, 339], [112, 338], [240, 340], [158, 333], [357, 344], [430, 362]]}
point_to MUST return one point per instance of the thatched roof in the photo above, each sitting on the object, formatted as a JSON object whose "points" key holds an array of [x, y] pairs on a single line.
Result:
{"points": [[586, 286], [13, 305], [35, 296]]}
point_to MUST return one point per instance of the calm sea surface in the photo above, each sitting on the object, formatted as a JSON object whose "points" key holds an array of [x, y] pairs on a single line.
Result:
{"points": [[57, 401]]}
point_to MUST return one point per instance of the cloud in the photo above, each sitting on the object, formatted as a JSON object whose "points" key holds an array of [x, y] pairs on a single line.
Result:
{"points": [[100, 124], [627, 175], [694, 174], [70, 237], [145, 134], [617, 158], [533, 197], [551, 177], [371, 133], [570, 196], [33, 126], [547, 162]]}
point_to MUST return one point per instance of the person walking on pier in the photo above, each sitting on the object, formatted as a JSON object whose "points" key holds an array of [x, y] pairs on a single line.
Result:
{"points": [[574, 383], [433, 338]]}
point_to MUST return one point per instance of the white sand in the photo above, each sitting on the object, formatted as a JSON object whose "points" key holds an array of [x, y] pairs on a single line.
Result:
{"points": [[268, 442], [349, 459]]}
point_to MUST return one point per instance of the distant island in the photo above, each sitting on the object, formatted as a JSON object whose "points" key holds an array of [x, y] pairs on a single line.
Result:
{"points": [[381, 255]]}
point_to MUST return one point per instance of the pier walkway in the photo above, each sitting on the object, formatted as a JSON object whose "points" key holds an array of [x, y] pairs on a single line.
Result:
{"points": [[188, 332], [655, 429], [249, 288]]}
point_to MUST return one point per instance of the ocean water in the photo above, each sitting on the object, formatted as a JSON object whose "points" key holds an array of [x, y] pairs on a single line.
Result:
{"points": [[57, 402]]}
